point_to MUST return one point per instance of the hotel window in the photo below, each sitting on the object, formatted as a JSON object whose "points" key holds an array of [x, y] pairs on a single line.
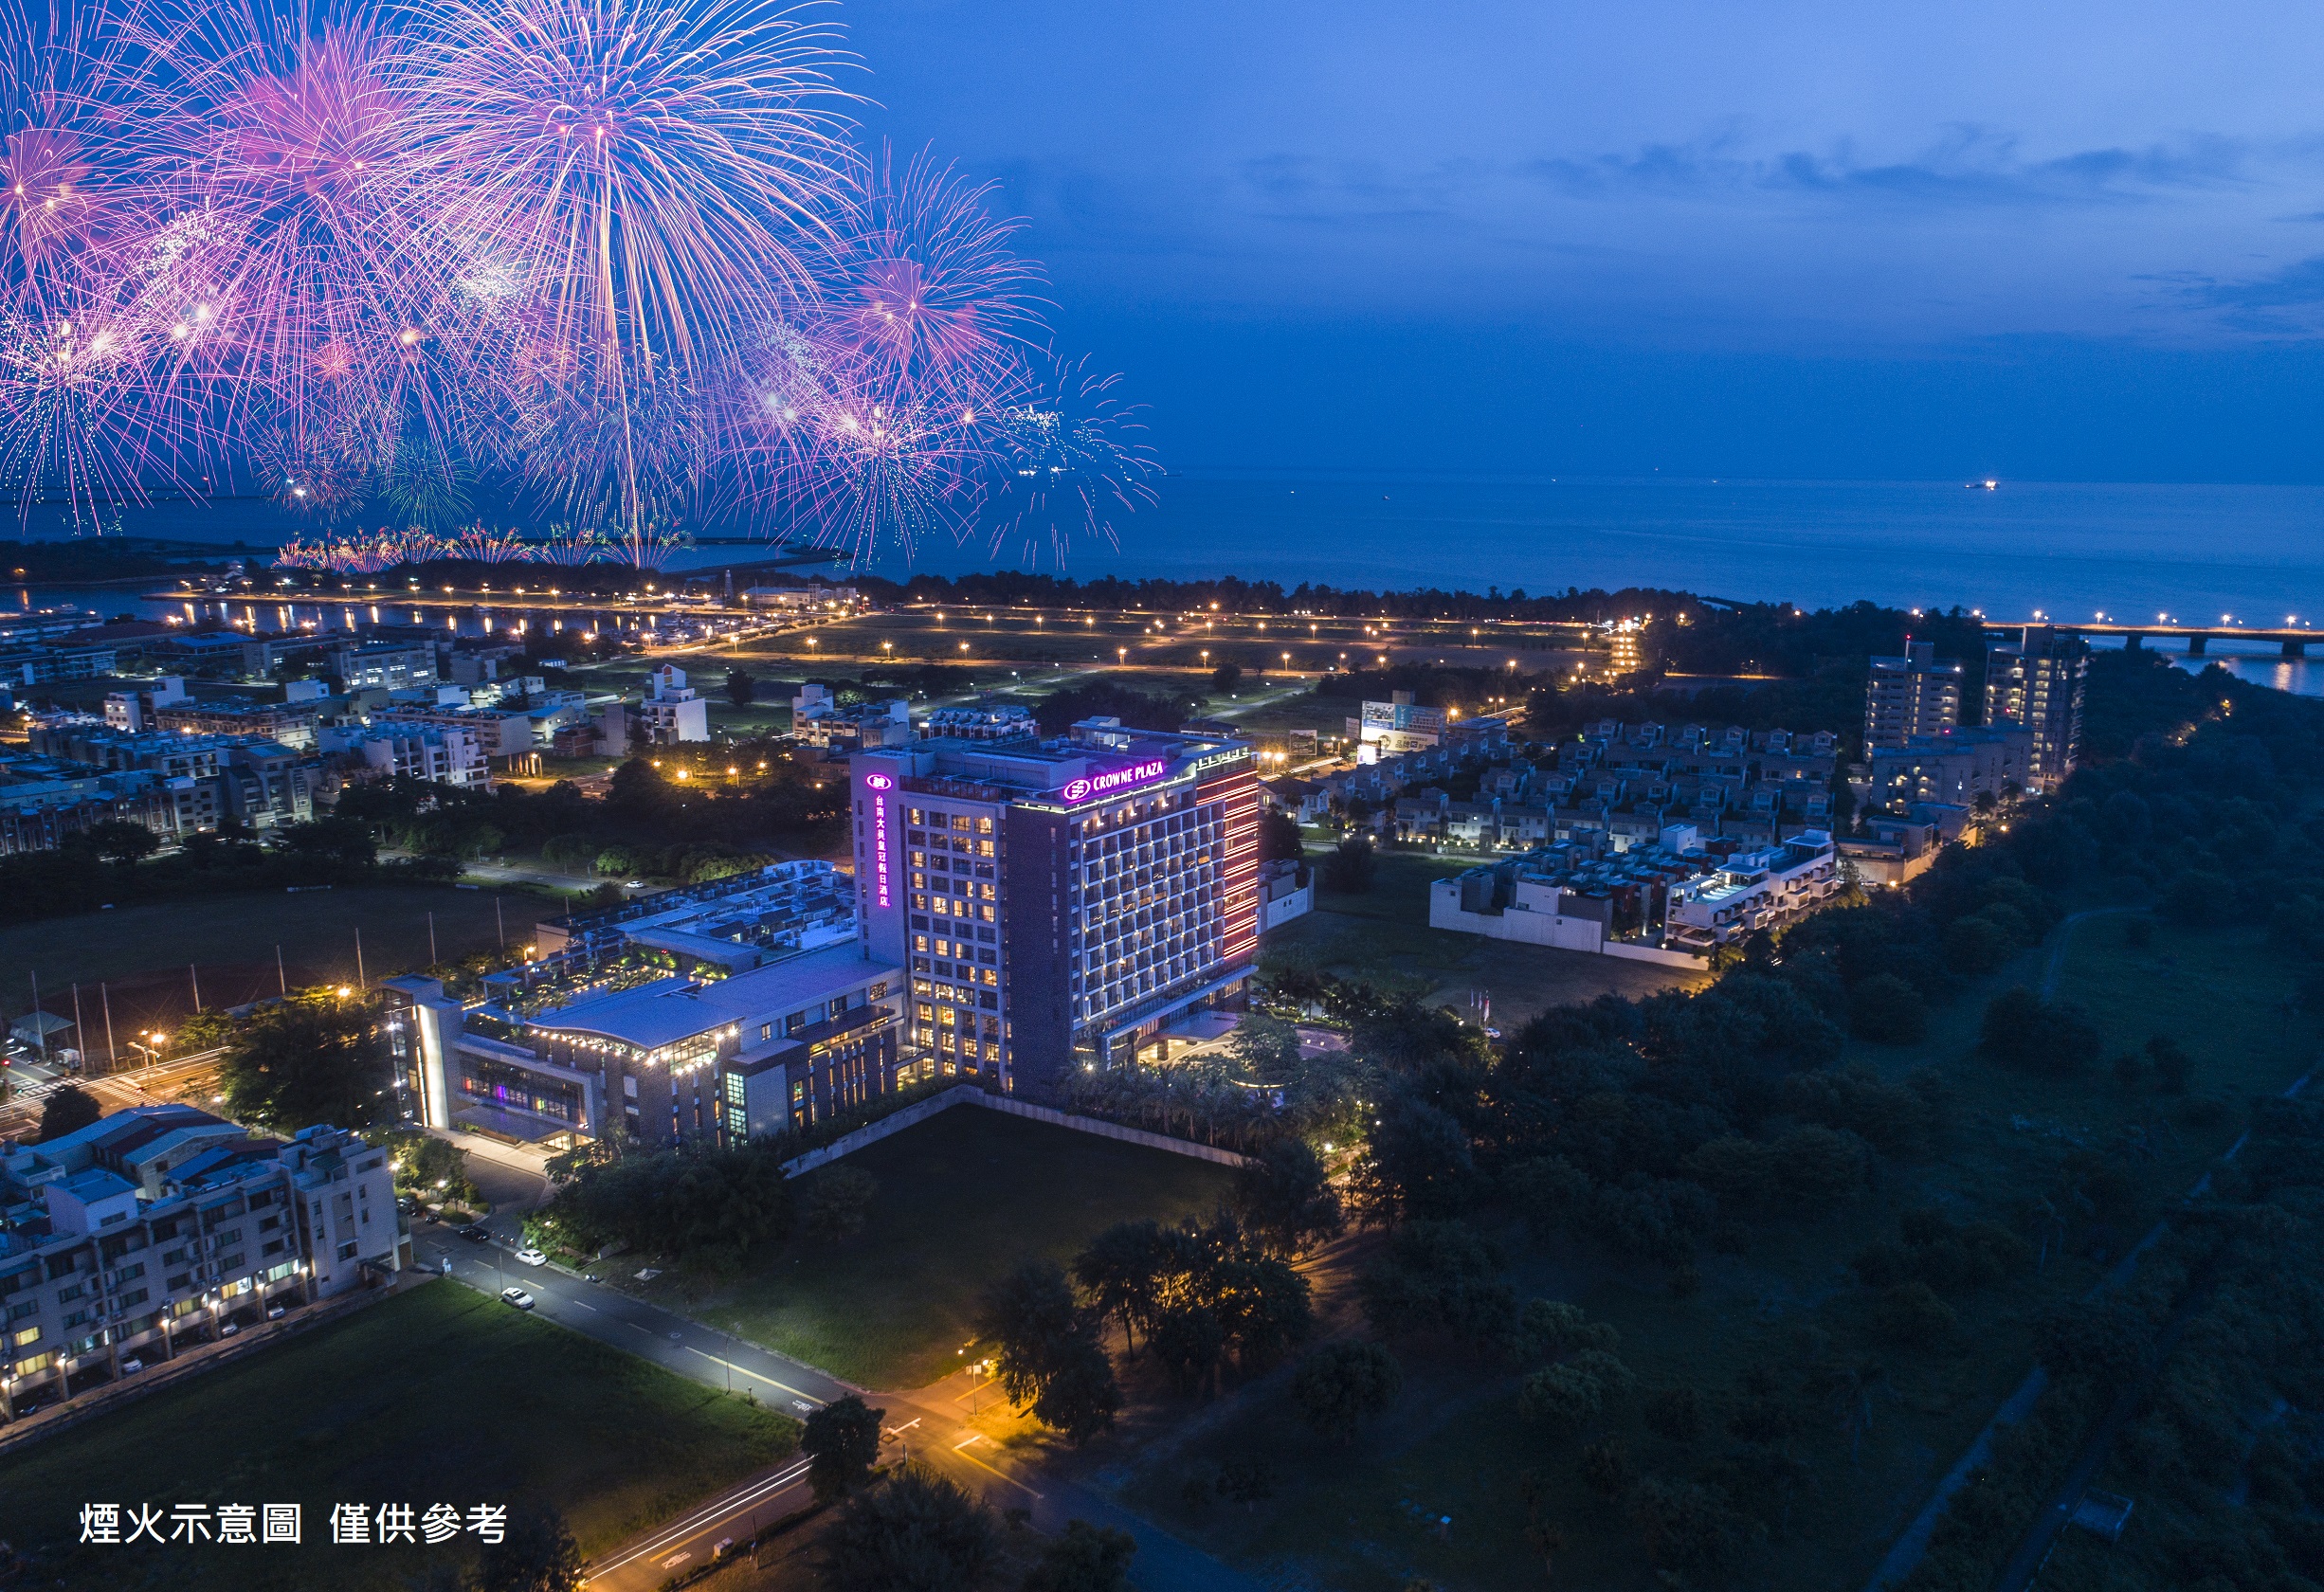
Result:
{"points": [[765, 1030]]}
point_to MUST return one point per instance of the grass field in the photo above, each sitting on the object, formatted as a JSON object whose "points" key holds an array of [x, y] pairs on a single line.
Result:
{"points": [[1456, 1446], [440, 1395], [963, 1197], [1383, 935], [143, 951]]}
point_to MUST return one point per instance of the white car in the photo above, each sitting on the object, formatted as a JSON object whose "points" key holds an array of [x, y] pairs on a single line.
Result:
{"points": [[532, 1256], [132, 1363], [517, 1297]]}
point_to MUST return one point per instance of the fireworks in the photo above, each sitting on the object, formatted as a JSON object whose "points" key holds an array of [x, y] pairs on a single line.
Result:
{"points": [[616, 258]]}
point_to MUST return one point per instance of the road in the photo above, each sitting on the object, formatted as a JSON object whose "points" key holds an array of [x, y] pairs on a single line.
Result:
{"points": [[193, 1077], [673, 1343]]}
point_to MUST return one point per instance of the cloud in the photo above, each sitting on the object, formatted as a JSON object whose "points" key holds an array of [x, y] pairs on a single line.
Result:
{"points": [[1970, 166]]}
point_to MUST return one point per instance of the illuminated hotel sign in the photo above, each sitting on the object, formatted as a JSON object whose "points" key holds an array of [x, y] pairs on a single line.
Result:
{"points": [[1115, 781], [879, 785]]}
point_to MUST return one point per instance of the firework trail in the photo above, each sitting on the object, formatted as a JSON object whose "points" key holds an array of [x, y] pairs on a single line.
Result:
{"points": [[1071, 459]]}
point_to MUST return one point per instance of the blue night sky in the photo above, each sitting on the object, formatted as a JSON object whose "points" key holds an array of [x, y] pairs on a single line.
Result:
{"points": [[2077, 241]]}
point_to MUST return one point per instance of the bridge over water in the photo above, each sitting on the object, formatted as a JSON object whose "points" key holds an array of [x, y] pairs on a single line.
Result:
{"points": [[2294, 639]]}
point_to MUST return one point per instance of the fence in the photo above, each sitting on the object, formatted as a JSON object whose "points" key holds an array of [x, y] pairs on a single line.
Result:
{"points": [[970, 1094]]}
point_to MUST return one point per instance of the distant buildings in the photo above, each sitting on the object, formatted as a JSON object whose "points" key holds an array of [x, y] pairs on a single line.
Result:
{"points": [[151, 1229], [2036, 684], [673, 712], [1917, 693], [1672, 899], [79, 770], [981, 721], [817, 719], [1396, 726]]}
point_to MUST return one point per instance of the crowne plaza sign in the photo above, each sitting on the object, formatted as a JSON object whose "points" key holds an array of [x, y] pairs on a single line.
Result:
{"points": [[1115, 781]]}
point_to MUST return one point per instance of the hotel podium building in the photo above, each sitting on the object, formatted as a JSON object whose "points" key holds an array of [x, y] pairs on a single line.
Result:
{"points": [[1056, 902]]}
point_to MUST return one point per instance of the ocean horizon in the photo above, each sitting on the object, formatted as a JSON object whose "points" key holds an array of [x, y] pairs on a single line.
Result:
{"points": [[2069, 550]]}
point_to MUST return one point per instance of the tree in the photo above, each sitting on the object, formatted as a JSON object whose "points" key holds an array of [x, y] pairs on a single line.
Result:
{"points": [[1340, 1385], [1443, 1277], [1285, 1198], [68, 1110], [841, 1443], [1246, 1480], [740, 688], [1687, 1527], [1278, 838], [1674, 1412], [1551, 1329], [1267, 1045], [1888, 1011], [2023, 1030], [921, 1532], [121, 841], [1225, 679], [1349, 868], [1572, 1393], [1086, 1559], [312, 1059], [535, 1554], [1029, 1317], [1910, 1314], [1078, 1396], [1421, 1160], [1119, 1268], [838, 1203]]}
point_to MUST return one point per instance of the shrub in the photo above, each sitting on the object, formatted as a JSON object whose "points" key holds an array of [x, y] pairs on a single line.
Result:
{"points": [[2023, 1030], [1887, 1010], [1976, 945], [1912, 1314], [1340, 1385]]}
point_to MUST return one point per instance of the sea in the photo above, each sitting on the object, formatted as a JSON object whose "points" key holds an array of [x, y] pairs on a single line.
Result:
{"points": [[2223, 555]]}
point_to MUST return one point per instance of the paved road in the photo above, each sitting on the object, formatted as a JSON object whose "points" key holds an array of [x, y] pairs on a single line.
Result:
{"points": [[675, 1344]]}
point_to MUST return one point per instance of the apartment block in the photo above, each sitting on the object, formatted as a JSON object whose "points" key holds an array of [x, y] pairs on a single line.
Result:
{"points": [[1058, 902], [1917, 693], [2035, 683], [158, 1227]]}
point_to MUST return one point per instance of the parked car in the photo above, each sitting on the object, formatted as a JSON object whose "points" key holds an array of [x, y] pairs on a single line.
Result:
{"points": [[532, 1256], [274, 1313], [230, 1329], [517, 1297], [132, 1363], [474, 1233]]}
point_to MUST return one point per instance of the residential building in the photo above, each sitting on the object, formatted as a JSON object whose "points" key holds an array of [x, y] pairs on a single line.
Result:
{"points": [[1917, 693], [796, 599], [2036, 683], [132, 711], [1961, 769], [982, 721], [56, 660], [672, 710], [421, 751], [817, 719], [1286, 889], [1768, 889], [395, 666], [175, 785], [291, 723], [155, 1227], [502, 731], [1058, 901]]}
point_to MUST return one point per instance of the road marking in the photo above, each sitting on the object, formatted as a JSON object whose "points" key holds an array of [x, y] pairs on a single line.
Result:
{"points": [[705, 1518], [747, 1372], [961, 1449]]}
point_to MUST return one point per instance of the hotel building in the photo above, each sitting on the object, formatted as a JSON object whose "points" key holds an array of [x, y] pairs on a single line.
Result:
{"points": [[1057, 902]]}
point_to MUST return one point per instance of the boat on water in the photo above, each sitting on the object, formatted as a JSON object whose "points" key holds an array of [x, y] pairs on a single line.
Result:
{"points": [[1983, 485]]}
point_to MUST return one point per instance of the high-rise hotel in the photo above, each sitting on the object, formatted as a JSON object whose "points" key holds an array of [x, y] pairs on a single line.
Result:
{"points": [[1057, 902]]}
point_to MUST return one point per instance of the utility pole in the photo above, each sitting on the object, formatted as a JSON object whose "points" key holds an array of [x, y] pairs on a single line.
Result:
{"points": [[80, 1041], [113, 1057], [431, 939], [192, 972], [360, 981], [40, 1031], [281, 975], [499, 923]]}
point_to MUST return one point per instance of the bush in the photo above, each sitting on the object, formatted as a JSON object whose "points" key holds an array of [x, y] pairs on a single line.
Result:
{"points": [[1887, 1010], [1340, 1385], [1976, 945], [1912, 1314], [1349, 868], [2023, 1030]]}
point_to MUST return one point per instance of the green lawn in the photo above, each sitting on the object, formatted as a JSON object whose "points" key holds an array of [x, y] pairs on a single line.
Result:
{"points": [[143, 951], [440, 1395], [963, 1197], [1383, 935], [1456, 1446]]}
